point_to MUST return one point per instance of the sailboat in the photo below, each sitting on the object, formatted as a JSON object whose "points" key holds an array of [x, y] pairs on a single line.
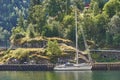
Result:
{"points": [[76, 66]]}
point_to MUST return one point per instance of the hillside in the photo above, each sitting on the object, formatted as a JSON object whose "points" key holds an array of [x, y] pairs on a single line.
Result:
{"points": [[40, 51], [99, 20]]}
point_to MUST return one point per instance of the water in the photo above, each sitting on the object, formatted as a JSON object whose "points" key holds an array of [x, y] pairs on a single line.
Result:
{"points": [[60, 75]]}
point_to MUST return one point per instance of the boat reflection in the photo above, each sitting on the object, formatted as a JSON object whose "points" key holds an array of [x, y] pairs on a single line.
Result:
{"points": [[74, 75]]}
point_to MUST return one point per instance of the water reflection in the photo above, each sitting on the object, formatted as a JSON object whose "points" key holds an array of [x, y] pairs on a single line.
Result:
{"points": [[106, 75], [60, 75], [73, 75]]}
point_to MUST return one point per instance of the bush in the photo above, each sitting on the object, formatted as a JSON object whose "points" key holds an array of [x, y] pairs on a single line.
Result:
{"points": [[20, 53], [53, 51]]}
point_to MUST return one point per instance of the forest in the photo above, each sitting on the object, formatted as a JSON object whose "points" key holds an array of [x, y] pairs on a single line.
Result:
{"points": [[10, 11], [56, 18], [46, 28]]}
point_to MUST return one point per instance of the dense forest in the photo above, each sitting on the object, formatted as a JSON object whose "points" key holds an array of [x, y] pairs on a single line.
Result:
{"points": [[45, 29], [10, 12], [99, 20]]}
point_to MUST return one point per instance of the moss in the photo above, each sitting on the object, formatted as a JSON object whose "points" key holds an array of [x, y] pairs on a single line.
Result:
{"points": [[40, 39], [60, 40], [21, 53], [30, 40], [37, 53], [67, 48], [4, 58]]}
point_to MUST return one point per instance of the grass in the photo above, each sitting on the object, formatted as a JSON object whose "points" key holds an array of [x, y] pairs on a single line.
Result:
{"points": [[34, 53], [67, 48], [59, 40], [20, 53], [37, 53], [40, 39]]}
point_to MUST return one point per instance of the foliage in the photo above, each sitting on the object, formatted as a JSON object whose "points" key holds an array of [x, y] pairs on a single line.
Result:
{"points": [[10, 10], [30, 31], [112, 7], [53, 50], [33, 20], [24, 54], [52, 29], [95, 56], [116, 40], [100, 3], [20, 53], [56, 18], [69, 27], [79, 4], [114, 25], [37, 18], [17, 33], [4, 34], [114, 29]]}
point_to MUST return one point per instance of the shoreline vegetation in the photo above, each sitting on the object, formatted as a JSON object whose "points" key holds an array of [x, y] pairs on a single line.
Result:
{"points": [[36, 51], [44, 51]]}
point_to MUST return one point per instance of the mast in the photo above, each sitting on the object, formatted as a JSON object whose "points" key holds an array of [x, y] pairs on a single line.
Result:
{"points": [[76, 35]]}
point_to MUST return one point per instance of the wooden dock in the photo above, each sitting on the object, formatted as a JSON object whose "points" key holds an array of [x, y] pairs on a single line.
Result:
{"points": [[49, 67], [26, 67], [106, 66]]}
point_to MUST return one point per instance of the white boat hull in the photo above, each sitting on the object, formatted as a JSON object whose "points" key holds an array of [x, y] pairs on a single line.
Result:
{"points": [[73, 68]]}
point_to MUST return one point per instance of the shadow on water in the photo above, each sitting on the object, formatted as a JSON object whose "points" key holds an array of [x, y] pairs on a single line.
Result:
{"points": [[106, 75], [60, 75]]}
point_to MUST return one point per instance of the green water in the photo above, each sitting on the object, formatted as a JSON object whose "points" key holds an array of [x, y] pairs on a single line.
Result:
{"points": [[69, 75]]}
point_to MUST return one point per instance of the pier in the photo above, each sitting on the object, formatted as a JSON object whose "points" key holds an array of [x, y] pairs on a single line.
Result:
{"points": [[49, 67], [26, 67], [106, 66]]}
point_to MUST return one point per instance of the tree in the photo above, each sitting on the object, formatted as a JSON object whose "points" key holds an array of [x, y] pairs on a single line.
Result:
{"points": [[4, 37], [35, 2], [4, 34], [114, 25], [58, 8], [101, 27], [80, 4], [30, 31], [100, 3], [95, 28], [53, 50], [38, 18], [69, 27], [95, 8], [17, 33], [22, 22], [114, 29], [112, 7], [54, 7], [9, 12], [52, 29]]}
